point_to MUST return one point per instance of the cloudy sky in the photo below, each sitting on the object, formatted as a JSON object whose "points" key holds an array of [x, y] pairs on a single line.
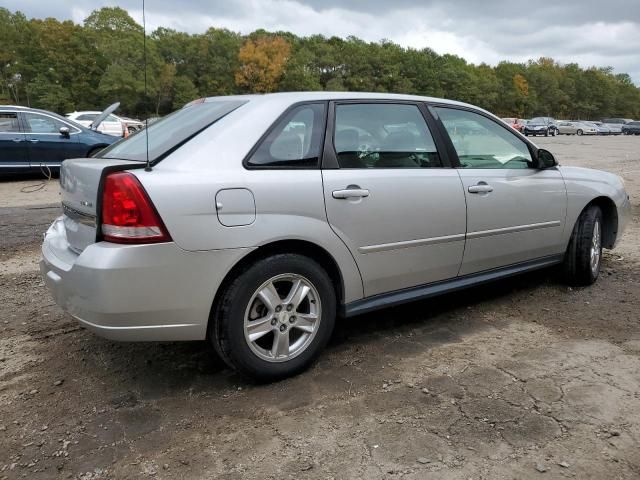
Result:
{"points": [[589, 32]]}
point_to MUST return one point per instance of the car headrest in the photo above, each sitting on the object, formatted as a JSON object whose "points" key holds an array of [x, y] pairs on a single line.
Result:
{"points": [[288, 146], [400, 142], [347, 140]]}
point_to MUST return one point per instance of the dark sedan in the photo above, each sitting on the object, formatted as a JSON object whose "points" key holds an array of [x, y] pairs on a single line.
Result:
{"points": [[631, 128], [32, 139], [541, 126]]}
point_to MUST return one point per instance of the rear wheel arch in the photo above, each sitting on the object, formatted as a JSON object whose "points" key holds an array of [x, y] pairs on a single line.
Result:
{"points": [[301, 247]]}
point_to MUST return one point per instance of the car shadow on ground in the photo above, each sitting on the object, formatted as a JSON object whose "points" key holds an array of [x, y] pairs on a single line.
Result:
{"points": [[159, 370]]}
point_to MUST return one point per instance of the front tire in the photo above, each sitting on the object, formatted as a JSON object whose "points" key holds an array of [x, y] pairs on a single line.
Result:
{"points": [[584, 255], [275, 317], [579, 132]]}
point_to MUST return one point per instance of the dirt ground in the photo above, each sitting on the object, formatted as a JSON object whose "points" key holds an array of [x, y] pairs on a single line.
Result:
{"points": [[525, 378]]}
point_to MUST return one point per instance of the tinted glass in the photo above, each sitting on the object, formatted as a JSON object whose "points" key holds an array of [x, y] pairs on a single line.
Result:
{"points": [[42, 123], [383, 136], [87, 117], [483, 143], [9, 123], [168, 133], [295, 141]]}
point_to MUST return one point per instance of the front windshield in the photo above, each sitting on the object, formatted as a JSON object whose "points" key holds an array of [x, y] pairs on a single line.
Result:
{"points": [[170, 132], [538, 120]]}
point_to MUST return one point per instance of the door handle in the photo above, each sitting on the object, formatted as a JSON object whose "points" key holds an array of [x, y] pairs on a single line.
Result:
{"points": [[352, 191], [34, 140], [481, 187], [17, 140]]}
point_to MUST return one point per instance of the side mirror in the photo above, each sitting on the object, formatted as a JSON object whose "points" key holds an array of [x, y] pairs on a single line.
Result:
{"points": [[64, 131], [546, 159]]}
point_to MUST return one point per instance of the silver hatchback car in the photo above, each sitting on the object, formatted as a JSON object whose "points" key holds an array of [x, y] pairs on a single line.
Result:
{"points": [[260, 219]]}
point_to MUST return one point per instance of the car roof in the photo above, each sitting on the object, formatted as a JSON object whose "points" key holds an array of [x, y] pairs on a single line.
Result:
{"points": [[295, 97], [25, 109], [84, 112], [19, 108]]}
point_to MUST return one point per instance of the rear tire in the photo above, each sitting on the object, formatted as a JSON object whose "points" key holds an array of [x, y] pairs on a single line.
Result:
{"points": [[584, 254], [262, 335]]}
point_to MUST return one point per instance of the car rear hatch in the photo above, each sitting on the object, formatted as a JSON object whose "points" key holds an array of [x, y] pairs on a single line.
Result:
{"points": [[80, 187]]}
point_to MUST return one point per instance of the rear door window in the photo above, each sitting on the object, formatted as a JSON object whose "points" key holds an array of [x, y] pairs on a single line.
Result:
{"points": [[382, 135], [87, 117], [9, 122]]}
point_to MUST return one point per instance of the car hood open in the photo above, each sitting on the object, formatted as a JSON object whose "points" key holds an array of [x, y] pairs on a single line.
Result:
{"points": [[106, 112]]}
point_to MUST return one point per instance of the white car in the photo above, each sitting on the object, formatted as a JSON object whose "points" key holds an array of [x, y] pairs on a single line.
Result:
{"points": [[112, 125]]}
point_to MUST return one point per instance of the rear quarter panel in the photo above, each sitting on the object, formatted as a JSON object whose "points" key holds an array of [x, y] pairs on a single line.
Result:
{"points": [[289, 205]]}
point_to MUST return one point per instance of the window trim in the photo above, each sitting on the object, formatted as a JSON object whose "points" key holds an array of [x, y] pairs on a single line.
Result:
{"points": [[73, 130], [431, 106], [330, 157], [274, 125]]}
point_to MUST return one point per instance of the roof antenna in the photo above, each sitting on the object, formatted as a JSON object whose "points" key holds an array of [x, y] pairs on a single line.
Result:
{"points": [[147, 168]]}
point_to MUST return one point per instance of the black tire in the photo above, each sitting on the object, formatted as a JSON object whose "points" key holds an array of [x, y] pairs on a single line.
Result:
{"points": [[579, 132], [131, 130], [226, 327], [577, 261]]}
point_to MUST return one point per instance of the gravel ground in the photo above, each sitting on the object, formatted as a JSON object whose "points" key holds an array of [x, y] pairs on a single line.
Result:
{"points": [[520, 379]]}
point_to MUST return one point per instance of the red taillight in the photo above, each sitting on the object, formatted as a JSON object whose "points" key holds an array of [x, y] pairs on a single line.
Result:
{"points": [[128, 216]]}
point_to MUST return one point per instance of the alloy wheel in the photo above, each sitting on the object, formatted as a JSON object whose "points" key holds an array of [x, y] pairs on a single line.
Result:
{"points": [[282, 317], [596, 248]]}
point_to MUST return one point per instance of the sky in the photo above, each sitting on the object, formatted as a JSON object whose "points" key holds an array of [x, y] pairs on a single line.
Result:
{"points": [[588, 32]]}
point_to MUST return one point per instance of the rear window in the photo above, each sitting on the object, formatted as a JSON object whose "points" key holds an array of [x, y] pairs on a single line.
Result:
{"points": [[170, 132]]}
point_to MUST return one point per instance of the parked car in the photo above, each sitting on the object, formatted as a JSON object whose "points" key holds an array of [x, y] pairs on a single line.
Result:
{"points": [[132, 124], [619, 121], [541, 126], [600, 128], [514, 123], [256, 221], [587, 128], [112, 125], [614, 128], [631, 128], [31, 139], [567, 128]]}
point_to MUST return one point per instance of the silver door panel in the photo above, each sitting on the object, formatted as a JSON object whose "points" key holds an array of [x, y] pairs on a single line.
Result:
{"points": [[520, 219], [407, 230]]}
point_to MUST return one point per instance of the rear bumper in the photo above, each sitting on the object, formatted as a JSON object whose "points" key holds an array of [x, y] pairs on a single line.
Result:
{"points": [[155, 292]]}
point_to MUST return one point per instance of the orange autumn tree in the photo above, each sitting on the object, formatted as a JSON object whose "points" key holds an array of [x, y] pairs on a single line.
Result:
{"points": [[262, 62]]}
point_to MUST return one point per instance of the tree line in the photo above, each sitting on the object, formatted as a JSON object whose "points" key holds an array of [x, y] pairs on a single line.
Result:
{"points": [[64, 66]]}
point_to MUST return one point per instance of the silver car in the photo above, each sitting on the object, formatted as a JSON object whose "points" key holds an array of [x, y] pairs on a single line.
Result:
{"points": [[259, 220]]}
